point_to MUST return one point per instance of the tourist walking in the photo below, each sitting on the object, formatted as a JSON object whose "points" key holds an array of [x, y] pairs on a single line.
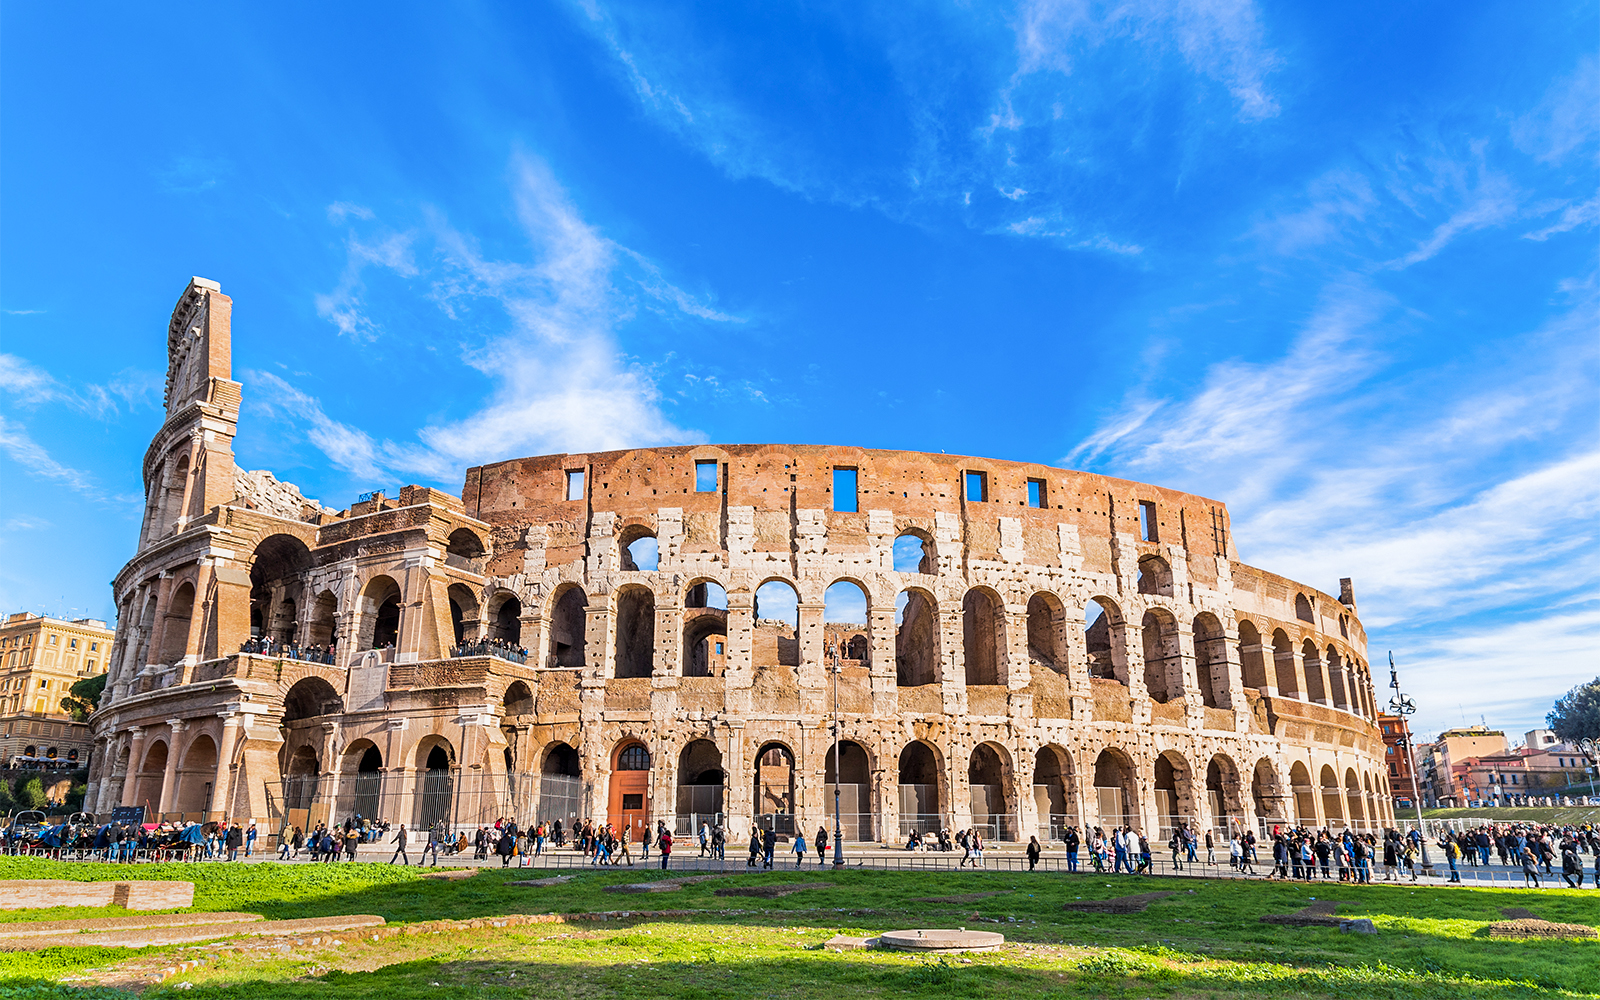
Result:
{"points": [[755, 847], [799, 849], [1072, 842], [822, 845], [664, 844], [1530, 867], [769, 844], [400, 839], [1033, 853]]}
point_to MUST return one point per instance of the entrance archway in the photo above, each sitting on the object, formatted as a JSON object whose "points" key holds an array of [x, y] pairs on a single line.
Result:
{"points": [[435, 783], [993, 814], [775, 798], [700, 785], [1052, 792], [855, 790], [1116, 791], [921, 810], [629, 801]]}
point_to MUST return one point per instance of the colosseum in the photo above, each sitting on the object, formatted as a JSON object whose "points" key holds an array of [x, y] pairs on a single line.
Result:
{"points": [[674, 633]]}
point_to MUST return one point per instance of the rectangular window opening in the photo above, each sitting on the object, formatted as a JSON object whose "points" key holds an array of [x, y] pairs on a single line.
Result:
{"points": [[1147, 521], [575, 485], [977, 487], [705, 477], [632, 800], [1036, 494], [844, 490]]}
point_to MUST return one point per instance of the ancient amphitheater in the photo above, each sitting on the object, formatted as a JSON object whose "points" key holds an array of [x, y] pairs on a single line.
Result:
{"points": [[1005, 645]]}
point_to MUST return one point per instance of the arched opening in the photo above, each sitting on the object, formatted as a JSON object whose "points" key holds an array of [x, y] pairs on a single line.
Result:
{"points": [[1283, 660], [518, 699], [560, 785], [630, 786], [1116, 791], [463, 613], [1252, 660], [380, 613], [435, 782], [1052, 792], [1046, 630], [172, 501], [175, 630], [920, 808], [775, 641], [1222, 795], [152, 774], [1311, 657], [700, 786], [1163, 668], [464, 550], [363, 768], [1302, 609], [1332, 799], [1270, 802], [775, 788], [705, 630], [1211, 660], [854, 787], [196, 774], [1155, 576], [916, 657], [1305, 803], [1174, 794], [276, 570], [1338, 680], [844, 611], [982, 636], [507, 624], [1355, 805], [989, 785], [301, 773], [310, 697], [913, 553], [638, 550], [636, 632], [323, 630], [1103, 639], [567, 625]]}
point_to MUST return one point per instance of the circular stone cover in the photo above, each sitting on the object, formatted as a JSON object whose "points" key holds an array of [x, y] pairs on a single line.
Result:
{"points": [[943, 941]]}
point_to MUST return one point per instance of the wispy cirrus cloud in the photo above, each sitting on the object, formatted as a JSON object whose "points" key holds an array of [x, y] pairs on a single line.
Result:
{"points": [[28, 453], [560, 379]]}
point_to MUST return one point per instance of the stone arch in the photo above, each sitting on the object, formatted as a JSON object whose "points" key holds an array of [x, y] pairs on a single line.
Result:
{"points": [[1268, 795], [323, 627], [921, 788], [568, 626], [845, 602], [914, 552], [361, 770], [172, 496], [916, 638], [1252, 661], [775, 791], [701, 781], [638, 549], [1047, 619], [1116, 786], [991, 786], [854, 788], [1053, 792], [1176, 804], [1332, 797], [1283, 661], [1303, 609], [1155, 576], [1224, 795], [276, 568], [380, 613], [151, 777], [196, 773], [1305, 806], [1105, 640], [463, 613], [775, 640], [982, 636], [309, 698], [1163, 666], [504, 613], [463, 549], [301, 772], [1355, 804], [1311, 658], [518, 699], [1211, 661], [435, 760], [636, 631], [559, 757], [175, 631], [1338, 679]]}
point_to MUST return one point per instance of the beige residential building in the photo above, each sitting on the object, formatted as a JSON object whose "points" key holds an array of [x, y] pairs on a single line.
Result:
{"points": [[40, 659]]}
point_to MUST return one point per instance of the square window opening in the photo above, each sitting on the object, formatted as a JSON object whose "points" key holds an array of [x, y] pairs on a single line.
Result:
{"points": [[977, 487], [705, 477], [844, 490], [632, 800], [575, 485], [1147, 521], [1036, 494]]}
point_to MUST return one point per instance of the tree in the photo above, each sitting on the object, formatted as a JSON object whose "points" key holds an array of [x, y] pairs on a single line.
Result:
{"points": [[84, 697], [1576, 714], [31, 794]]}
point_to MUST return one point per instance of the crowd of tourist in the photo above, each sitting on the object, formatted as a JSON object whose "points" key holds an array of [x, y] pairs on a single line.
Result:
{"points": [[266, 645], [491, 647], [1531, 847]]}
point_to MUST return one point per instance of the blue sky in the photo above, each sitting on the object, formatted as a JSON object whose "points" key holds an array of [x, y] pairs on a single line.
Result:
{"points": [[1332, 263]]}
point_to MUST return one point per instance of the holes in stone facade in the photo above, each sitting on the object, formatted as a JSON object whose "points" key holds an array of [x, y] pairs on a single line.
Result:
{"points": [[1149, 530]]}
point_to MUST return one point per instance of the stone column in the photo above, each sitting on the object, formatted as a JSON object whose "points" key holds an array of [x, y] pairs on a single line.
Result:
{"points": [[169, 780], [221, 786], [881, 663], [812, 670]]}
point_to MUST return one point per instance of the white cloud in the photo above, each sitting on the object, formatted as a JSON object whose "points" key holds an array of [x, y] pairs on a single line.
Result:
{"points": [[26, 384], [26, 452], [1572, 216], [1565, 120], [560, 380]]}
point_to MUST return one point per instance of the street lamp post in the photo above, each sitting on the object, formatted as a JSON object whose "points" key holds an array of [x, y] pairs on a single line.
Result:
{"points": [[1404, 707], [838, 770]]}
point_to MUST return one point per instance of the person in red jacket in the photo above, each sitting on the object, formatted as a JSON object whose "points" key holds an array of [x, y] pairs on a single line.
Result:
{"points": [[664, 843]]}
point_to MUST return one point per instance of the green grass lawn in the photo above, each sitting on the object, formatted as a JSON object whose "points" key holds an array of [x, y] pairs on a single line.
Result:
{"points": [[1518, 814], [1205, 941]]}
